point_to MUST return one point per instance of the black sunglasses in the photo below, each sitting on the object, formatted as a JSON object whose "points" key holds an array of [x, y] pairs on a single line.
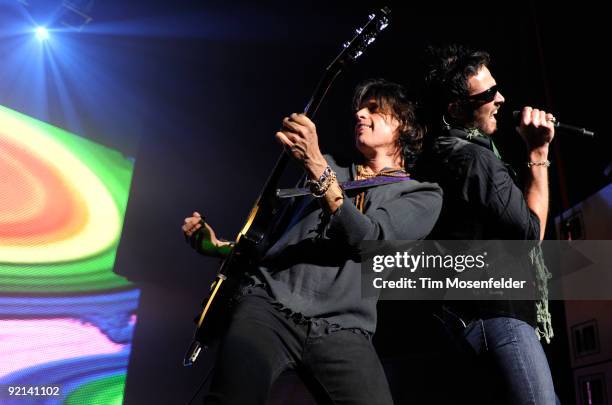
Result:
{"points": [[486, 96]]}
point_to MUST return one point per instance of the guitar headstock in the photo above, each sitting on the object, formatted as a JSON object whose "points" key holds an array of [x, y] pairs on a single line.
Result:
{"points": [[364, 37], [353, 49]]}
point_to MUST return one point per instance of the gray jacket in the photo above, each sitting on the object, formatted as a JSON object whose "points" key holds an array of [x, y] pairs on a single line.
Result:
{"points": [[313, 268]]}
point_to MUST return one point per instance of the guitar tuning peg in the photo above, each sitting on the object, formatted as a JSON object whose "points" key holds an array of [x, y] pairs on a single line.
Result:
{"points": [[371, 39], [346, 44], [359, 31], [357, 54], [371, 16], [383, 24]]}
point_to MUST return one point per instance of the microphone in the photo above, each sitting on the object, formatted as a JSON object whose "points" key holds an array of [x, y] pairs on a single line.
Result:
{"points": [[562, 127]]}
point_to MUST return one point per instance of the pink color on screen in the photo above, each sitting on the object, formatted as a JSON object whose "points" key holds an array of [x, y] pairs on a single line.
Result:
{"points": [[27, 343]]}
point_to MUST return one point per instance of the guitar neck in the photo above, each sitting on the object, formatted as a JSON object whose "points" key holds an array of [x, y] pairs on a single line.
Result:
{"points": [[321, 91], [353, 49]]}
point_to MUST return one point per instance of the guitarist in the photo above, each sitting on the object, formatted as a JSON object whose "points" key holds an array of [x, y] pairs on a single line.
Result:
{"points": [[302, 308]]}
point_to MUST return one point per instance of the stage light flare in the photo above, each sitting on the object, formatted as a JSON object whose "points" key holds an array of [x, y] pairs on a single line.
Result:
{"points": [[42, 34]]}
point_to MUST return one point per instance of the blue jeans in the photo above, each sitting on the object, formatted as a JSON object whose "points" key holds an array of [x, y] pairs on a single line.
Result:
{"points": [[512, 356]]}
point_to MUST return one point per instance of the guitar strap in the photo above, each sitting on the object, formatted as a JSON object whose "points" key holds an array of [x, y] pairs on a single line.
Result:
{"points": [[350, 187]]}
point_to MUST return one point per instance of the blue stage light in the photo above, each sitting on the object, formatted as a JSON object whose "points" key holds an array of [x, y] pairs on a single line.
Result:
{"points": [[41, 33]]}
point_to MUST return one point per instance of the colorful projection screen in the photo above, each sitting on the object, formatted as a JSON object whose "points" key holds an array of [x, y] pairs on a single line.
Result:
{"points": [[66, 319]]}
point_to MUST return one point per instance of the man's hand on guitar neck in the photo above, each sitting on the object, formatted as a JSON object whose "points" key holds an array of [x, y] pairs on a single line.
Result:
{"points": [[299, 135], [202, 237]]}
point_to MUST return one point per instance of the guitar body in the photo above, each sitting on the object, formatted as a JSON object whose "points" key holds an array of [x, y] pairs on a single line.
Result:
{"points": [[250, 246], [251, 243]]}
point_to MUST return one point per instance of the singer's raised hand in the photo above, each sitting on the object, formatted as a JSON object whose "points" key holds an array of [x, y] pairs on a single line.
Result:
{"points": [[537, 128]]}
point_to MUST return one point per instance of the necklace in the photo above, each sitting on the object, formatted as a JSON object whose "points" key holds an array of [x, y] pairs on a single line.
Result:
{"points": [[364, 172]]}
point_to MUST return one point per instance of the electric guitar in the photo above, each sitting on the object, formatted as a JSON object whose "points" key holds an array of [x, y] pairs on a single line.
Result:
{"points": [[251, 242]]}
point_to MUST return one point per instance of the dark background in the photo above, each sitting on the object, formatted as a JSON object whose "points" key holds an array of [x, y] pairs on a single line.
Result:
{"points": [[195, 91]]}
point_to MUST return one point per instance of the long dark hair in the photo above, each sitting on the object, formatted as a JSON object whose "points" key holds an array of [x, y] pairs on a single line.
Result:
{"points": [[391, 97]]}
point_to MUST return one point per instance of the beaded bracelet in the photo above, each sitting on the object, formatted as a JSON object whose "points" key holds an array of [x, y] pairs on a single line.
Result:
{"points": [[319, 187], [325, 186], [326, 173]]}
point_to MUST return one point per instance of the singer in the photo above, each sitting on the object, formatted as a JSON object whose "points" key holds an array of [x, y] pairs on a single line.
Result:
{"points": [[494, 345]]}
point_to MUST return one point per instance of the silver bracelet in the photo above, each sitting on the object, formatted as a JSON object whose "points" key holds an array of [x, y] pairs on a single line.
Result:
{"points": [[545, 163], [318, 188]]}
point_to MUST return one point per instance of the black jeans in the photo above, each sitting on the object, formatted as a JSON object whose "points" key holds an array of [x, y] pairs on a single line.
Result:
{"points": [[339, 366]]}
